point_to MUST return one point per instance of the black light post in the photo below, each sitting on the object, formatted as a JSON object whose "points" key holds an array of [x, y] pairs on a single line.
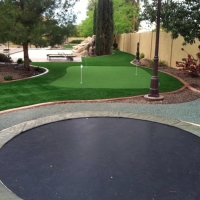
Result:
{"points": [[154, 90]]}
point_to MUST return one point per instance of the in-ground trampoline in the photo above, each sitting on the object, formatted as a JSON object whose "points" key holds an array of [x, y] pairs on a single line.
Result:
{"points": [[101, 158]]}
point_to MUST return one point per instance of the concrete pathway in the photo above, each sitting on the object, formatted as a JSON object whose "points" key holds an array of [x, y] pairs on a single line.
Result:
{"points": [[189, 112], [40, 54]]}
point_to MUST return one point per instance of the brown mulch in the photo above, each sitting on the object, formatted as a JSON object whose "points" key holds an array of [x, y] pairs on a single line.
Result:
{"points": [[15, 71], [185, 95]]}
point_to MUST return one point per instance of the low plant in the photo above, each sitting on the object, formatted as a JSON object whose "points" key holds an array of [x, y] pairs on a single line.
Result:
{"points": [[8, 78], [39, 69], [115, 45], [20, 61], [76, 41], [190, 66], [4, 58], [151, 63], [162, 63], [142, 55]]}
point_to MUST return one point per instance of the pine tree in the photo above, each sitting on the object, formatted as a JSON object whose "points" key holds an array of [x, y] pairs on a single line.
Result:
{"points": [[104, 27]]}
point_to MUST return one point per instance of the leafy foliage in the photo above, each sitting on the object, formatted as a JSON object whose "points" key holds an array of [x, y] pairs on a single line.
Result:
{"points": [[85, 29], [181, 17], [190, 65], [20, 61], [4, 58], [25, 22], [8, 78], [125, 14]]}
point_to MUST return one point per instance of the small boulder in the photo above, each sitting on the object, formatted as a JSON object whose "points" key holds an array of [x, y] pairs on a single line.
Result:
{"points": [[145, 62]]}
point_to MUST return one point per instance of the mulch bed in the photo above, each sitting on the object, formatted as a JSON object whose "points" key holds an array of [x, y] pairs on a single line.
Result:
{"points": [[16, 72]]}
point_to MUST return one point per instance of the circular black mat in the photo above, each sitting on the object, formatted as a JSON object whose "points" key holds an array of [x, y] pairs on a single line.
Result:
{"points": [[102, 159]]}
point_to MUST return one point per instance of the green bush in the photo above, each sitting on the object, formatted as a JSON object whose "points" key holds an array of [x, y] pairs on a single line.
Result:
{"points": [[20, 61], [162, 63], [8, 78], [142, 55], [39, 69], [76, 41], [151, 63], [4, 58], [115, 46]]}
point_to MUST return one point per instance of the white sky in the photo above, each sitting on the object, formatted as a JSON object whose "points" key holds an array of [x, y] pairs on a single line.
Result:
{"points": [[81, 7]]}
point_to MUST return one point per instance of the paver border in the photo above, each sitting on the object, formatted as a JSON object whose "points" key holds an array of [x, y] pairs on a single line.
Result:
{"points": [[11, 132]]}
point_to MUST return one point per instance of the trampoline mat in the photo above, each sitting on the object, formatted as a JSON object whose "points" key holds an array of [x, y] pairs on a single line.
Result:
{"points": [[102, 158]]}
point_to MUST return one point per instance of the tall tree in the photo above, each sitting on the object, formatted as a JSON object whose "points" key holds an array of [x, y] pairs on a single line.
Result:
{"points": [[104, 27], [20, 19], [86, 27], [181, 17], [125, 17]]}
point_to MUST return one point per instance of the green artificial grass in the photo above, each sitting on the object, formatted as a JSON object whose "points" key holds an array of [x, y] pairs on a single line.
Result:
{"points": [[103, 77], [119, 77], [68, 46]]}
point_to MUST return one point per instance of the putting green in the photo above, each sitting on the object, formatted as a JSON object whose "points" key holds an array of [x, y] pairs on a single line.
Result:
{"points": [[104, 77]]}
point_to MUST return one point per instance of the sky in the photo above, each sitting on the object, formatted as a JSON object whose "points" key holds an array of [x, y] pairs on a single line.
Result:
{"points": [[81, 7]]}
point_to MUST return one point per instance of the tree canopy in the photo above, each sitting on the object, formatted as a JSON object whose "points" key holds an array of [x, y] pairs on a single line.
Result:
{"points": [[125, 14], [24, 22], [181, 17]]}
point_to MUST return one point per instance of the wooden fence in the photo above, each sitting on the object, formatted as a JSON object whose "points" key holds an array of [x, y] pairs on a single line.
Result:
{"points": [[169, 49]]}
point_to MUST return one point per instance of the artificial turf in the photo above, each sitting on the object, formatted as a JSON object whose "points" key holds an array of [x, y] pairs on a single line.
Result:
{"points": [[104, 77], [63, 82]]}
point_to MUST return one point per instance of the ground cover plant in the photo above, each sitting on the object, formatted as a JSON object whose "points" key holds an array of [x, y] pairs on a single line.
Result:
{"points": [[55, 86], [190, 66], [68, 46]]}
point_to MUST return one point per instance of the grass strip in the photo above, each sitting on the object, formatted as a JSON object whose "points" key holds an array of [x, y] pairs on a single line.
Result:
{"points": [[42, 89]]}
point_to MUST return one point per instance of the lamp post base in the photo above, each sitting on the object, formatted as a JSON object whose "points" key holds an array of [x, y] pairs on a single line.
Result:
{"points": [[151, 98]]}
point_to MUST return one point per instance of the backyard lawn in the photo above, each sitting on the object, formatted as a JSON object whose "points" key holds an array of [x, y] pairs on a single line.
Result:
{"points": [[102, 77]]}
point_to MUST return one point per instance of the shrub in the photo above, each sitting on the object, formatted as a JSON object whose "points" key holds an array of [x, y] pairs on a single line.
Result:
{"points": [[20, 61], [4, 58], [76, 41], [142, 55], [151, 63], [190, 66], [39, 69], [115, 46], [162, 63], [8, 78]]}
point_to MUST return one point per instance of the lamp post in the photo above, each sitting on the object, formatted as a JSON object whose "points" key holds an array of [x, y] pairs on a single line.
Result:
{"points": [[154, 90]]}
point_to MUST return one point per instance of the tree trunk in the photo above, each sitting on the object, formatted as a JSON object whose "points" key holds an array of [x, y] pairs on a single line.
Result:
{"points": [[26, 56], [104, 27]]}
